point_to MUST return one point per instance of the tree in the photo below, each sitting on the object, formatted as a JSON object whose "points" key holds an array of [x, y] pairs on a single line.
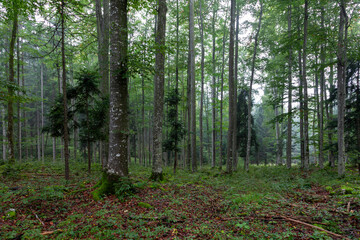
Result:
{"points": [[159, 92], [341, 76], [10, 130], [192, 84], [232, 98], [289, 124]]}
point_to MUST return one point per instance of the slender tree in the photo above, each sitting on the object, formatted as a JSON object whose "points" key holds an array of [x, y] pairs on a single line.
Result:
{"points": [[10, 113], [341, 94], [289, 123], [193, 88], [232, 100]]}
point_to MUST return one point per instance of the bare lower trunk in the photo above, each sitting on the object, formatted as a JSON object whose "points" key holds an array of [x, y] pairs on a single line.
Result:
{"points": [[10, 113], [213, 139], [341, 69], [289, 124], [202, 83], [304, 81], [159, 92], [229, 162]]}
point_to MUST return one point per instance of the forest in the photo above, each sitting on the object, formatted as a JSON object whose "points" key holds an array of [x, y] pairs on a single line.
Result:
{"points": [[180, 119]]}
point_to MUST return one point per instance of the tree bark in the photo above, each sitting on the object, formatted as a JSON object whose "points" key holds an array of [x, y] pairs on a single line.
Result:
{"points": [[19, 105], [322, 89], [234, 141], [341, 77], [202, 82], [213, 139], [193, 87], [102, 20], [10, 129], [229, 162], [304, 81], [289, 123], [248, 144], [42, 111], [159, 92], [117, 165]]}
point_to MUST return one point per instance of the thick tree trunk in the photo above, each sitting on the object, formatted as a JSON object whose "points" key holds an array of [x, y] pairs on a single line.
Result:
{"points": [[117, 165], [66, 132], [229, 162], [289, 123], [341, 77], [248, 144], [159, 92], [10, 125]]}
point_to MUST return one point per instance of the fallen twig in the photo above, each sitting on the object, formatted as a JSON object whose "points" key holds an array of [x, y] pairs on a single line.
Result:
{"points": [[38, 217], [312, 226], [50, 232]]}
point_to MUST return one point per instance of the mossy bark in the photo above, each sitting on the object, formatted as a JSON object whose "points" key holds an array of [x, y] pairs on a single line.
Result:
{"points": [[105, 186], [157, 176]]}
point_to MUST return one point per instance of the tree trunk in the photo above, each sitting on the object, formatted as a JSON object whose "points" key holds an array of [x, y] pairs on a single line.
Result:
{"points": [[102, 20], [19, 105], [341, 77], [213, 139], [235, 131], [289, 123], [42, 111], [202, 82], [248, 144], [117, 165], [66, 132], [222, 94], [10, 129], [3, 133], [229, 162], [304, 81], [322, 89], [193, 87], [277, 131], [159, 92]]}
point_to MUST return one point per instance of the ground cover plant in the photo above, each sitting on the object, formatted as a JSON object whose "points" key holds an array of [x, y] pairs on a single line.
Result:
{"points": [[264, 203]]}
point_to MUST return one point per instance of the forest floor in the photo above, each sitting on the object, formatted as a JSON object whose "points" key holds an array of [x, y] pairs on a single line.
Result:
{"points": [[265, 203]]}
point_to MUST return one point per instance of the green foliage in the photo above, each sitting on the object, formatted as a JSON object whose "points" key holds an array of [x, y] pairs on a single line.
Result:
{"points": [[176, 128], [124, 188], [145, 205]]}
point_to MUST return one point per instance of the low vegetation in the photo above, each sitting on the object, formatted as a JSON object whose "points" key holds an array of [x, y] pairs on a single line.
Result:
{"points": [[264, 203]]}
